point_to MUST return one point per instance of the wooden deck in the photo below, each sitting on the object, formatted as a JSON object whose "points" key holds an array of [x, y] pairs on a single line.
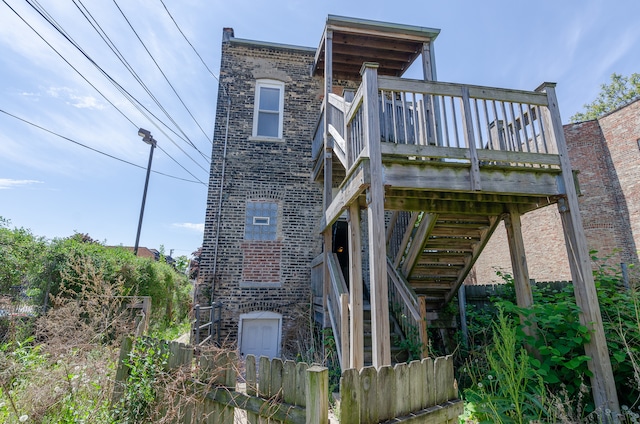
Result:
{"points": [[445, 159], [436, 166]]}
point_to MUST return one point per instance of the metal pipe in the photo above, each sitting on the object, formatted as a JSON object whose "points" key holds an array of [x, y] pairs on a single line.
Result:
{"points": [[147, 138], [220, 197]]}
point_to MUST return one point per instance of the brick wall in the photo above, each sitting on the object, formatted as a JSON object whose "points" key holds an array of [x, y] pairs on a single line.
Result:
{"points": [[263, 275], [621, 129], [605, 152]]}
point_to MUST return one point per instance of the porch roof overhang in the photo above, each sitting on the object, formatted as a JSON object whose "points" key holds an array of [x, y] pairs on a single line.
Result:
{"points": [[355, 41]]}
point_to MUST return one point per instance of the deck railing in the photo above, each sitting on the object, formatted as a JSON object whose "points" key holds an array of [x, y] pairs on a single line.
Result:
{"points": [[338, 308], [456, 115], [453, 116], [317, 143], [398, 234], [409, 309]]}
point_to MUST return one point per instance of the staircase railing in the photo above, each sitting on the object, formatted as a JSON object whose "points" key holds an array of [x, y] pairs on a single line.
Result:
{"points": [[409, 309], [338, 308], [317, 144], [336, 111], [399, 234], [207, 318]]}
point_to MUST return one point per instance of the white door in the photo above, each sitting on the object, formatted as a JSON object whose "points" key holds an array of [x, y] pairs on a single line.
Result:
{"points": [[260, 337]]}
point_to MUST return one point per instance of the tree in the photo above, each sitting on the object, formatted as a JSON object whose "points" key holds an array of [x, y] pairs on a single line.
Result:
{"points": [[620, 91], [20, 258]]}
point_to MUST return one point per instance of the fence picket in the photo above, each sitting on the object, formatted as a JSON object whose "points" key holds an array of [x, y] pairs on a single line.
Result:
{"points": [[276, 379], [350, 396], [403, 403], [301, 397], [416, 384], [264, 379], [443, 370], [369, 396], [289, 382], [429, 383], [386, 393], [251, 385]]}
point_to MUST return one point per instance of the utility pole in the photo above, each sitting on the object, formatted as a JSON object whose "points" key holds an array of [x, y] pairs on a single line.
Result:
{"points": [[147, 138]]}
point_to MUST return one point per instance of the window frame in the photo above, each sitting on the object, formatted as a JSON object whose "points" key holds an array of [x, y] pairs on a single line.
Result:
{"points": [[268, 83]]}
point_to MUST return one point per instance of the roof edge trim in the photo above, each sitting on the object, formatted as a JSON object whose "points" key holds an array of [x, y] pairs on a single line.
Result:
{"points": [[271, 45], [390, 27]]}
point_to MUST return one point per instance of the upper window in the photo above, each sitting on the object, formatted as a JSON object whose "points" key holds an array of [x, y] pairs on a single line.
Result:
{"points": [[267, 116]]}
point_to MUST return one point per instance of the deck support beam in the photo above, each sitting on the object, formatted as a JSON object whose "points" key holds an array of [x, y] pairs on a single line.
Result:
{"points": [[328, 172], [524, 296], [356, 359], [602, 382], [381, 342]]}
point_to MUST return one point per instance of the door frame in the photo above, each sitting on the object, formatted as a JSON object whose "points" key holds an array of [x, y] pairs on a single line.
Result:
{"points": [[261, 315]]}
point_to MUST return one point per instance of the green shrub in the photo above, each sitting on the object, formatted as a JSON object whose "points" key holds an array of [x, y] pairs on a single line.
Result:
{"points": [[146, 363], [505, 388]]}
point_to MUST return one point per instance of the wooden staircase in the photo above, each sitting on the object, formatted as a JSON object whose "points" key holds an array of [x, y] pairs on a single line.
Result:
{"points": [[435, 252]]}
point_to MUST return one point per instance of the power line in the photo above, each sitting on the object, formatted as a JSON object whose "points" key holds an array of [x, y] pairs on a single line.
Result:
{"points": [[189, 42], [135, 102], [107, 40], [68, 63], [161, 71], [96, 150]]}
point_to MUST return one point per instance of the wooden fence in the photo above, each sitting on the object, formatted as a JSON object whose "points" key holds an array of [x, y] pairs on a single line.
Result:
{"points": [[221, 388]]}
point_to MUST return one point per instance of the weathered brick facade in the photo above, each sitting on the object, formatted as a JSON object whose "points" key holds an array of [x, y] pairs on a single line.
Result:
{"points": [[251, 274], [606, 153]]}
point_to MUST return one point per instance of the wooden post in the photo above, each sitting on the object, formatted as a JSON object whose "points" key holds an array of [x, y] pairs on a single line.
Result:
{"points": [[381, 342], [317, 395], [344, 331], [328, 141], [122, 373], [524, 297], [467, 124], [462, 306], [602, 382], [356, 359], [625, 274], [326, 279], [424, 335], [328, 168], [429, 74]]}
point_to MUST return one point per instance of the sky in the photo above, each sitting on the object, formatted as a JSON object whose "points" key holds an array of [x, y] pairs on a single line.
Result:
{"points": [[71, 160]]}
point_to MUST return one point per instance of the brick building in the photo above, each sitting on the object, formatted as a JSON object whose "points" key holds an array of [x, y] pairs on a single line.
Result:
{"points": [[606, 152], [261, 244]]}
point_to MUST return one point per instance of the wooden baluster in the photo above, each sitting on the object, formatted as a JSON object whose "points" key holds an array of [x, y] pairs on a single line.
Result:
{"points": [[467, 123]]}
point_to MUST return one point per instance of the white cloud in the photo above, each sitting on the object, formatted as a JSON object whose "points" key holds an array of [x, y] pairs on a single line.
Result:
{"points": [[7, 183], [190, 226], [81, 102]]}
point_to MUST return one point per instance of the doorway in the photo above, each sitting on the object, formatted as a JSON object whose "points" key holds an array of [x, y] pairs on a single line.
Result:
{"points": [[260, 334]]}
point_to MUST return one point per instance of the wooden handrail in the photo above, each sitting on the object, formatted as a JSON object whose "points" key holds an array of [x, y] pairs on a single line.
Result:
{"points": [[439, 88], [409, 298], [338, 309], [337, 278], [413, 308]]}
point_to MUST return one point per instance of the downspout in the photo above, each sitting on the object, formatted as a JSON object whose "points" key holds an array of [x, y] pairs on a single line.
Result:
{"points": [[220, 197]]}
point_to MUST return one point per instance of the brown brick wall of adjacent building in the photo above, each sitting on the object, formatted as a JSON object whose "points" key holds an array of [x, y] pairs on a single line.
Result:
{"points": [[606, 154], [263, 275], [621, 129]]}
